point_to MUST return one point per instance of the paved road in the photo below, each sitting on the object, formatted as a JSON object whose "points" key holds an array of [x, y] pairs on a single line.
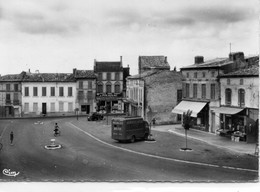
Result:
{"points": [[84, 158]]}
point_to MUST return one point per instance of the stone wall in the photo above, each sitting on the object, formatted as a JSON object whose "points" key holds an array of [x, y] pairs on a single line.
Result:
{"points": [[161, 95]]}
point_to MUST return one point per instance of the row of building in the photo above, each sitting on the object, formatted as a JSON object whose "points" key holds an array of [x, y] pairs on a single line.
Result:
{"points": [[47, 94], [222, 93]]}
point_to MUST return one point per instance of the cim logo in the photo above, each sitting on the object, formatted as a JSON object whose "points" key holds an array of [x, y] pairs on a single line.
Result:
{"points": [[10, 173]]}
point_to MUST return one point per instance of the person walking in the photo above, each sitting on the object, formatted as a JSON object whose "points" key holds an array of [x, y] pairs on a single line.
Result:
{"points": [[11, 137]]}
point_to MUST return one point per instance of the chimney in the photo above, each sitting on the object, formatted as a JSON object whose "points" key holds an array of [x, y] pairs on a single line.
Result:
{"points": [[199, 59], [95, 61], [234, 56], [121, 61], [165, 60], [74, 71]]}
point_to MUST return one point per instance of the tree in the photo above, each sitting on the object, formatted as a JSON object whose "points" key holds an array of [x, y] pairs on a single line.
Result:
{"points": [[187, 124]]}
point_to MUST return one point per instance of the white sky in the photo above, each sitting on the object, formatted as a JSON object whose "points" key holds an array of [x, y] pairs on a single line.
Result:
{"points": [[59, 35]]}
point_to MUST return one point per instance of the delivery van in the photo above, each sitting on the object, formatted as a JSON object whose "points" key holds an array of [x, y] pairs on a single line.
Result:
{"points": [[129, 129]]}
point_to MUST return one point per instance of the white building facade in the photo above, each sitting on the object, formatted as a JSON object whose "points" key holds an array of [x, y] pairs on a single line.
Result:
{"points": [[45, 96]]}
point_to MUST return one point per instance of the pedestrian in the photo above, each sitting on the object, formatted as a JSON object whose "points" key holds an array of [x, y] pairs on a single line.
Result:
{"points": [[11, 137], [153, 120]]}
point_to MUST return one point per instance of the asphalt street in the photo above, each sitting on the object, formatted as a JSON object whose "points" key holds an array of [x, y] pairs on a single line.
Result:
{"points": [[89, 154]]}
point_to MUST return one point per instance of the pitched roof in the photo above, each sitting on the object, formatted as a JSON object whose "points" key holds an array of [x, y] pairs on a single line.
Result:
{"points": [[217, 62], [250, 71], [85, 74], [153, 62], [108, 66], [11, 77], [49, 77]]}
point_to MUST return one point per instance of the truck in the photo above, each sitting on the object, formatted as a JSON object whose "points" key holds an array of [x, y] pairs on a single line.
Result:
{"points": [[129, 129]]}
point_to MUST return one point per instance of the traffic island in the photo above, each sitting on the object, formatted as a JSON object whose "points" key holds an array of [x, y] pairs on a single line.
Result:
{"points": [[52, 145], [186, 149], [150, 139]]}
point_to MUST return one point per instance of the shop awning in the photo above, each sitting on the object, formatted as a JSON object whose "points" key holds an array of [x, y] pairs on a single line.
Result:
{"points": [[194, 106], [227, 110]]}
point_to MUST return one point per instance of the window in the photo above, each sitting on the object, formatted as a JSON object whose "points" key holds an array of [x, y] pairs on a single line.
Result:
{"points": [[52, 91], [8, 98], [108, 88], [70, 91], [26, 91], [108, 76], [80, 84], [8, 87], [228, 81], [183, 90], [35, 91], [241, 97], [228, 94], [195, 90], [117, 88], [117, 76], [212, 73], [70, 106], [80, 95], [43, 91], [195, 75], [35, 107], [212, 91], [203, 91], [61, 92], [203, 74], [61, 106], [26, 107], [241, 81], [90, 84], [16, 99], [179, 95], [188, 75], [100, 77], [100, 88], [52, 107], [90, 95], [15, 87], [187, 90]]}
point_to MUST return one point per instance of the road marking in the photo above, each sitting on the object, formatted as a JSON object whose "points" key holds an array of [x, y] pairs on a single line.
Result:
{"points": [[160, 157]]}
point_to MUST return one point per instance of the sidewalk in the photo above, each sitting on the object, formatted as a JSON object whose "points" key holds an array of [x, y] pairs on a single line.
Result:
{"points": [[210, 138]]}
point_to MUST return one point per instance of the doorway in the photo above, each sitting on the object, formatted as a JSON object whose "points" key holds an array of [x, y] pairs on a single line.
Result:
{"points": [[44, 108]]}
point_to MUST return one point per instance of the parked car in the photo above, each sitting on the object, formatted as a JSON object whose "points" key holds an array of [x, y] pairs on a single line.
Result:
{"points": [[95, 116]]}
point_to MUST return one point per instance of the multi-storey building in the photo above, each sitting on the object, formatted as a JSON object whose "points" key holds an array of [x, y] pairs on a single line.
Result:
{"points": [[86, 90], [48, 94], [135, 95], [10, 95], [155, 91], [201, 88], [110, 83], [239, 102]]}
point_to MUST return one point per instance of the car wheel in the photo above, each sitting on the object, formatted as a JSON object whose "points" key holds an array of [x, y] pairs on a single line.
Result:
{"points": [[132, 139]]}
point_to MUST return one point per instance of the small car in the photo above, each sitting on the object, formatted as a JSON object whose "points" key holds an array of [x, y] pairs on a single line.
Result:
{"points": [[95, 116]]}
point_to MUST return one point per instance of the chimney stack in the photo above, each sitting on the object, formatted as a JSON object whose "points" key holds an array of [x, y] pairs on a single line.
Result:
{"points": [[121, 61], [74, 71], [199, 59]]}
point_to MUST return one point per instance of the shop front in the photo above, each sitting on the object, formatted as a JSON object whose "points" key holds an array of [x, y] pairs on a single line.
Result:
{"points": [[109, 103], [200, 113], [237, 124]]}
